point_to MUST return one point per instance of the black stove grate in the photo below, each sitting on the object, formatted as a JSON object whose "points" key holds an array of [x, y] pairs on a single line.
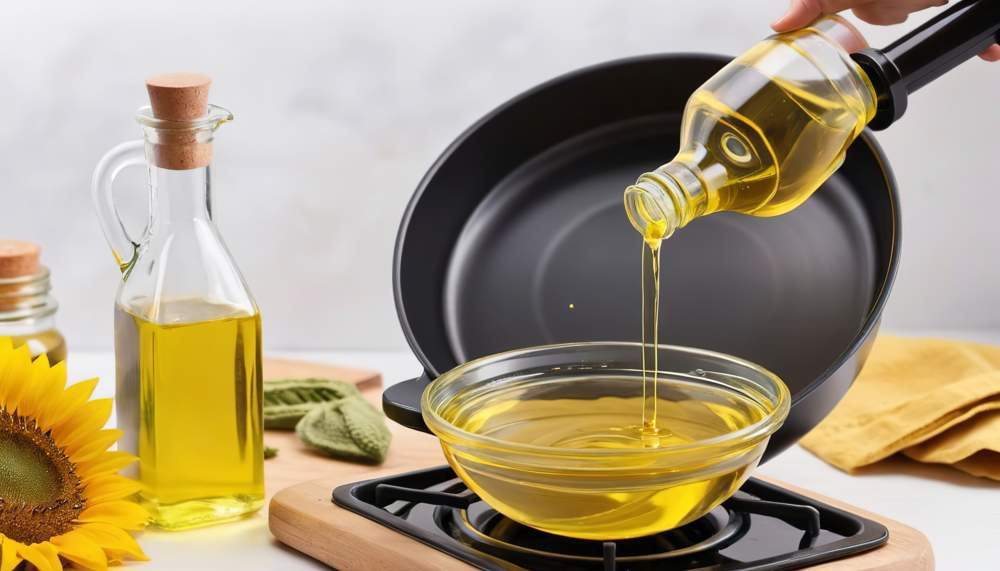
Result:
{"points": [[762, 527]]}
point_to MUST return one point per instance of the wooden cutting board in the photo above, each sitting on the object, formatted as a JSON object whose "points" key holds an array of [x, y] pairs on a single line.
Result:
{"points": [[303, 517]]}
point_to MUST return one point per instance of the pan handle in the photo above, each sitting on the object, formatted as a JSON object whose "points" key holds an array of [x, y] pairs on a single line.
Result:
{"points": [[401, 402], [928, 52]]}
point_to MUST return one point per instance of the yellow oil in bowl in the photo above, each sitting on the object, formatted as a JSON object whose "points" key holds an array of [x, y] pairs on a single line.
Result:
{"points": [[560, 446]]}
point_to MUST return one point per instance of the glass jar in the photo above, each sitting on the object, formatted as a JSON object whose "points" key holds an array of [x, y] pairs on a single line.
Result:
{"points": [[27, 308]]}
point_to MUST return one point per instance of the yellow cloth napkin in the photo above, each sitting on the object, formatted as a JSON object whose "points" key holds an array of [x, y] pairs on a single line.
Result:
{"points": [[934, 400]]}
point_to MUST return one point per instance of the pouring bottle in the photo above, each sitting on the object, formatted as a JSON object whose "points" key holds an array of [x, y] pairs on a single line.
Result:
{"points": [[769, 128], [187, 331]]}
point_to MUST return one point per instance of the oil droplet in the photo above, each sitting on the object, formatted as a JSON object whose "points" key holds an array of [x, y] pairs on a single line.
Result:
{"points": [[572, 306]]}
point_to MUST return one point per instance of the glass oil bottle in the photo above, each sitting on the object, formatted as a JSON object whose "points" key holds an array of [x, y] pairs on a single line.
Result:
{"points": [[187, 331], [27, 308], [763, 133], [770, 127], [758, 138]]}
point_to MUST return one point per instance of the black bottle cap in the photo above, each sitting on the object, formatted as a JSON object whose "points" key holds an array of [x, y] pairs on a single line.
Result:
{"points": [[928, 52]]}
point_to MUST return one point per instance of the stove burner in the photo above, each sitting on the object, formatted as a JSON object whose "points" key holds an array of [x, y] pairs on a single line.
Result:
{"points": [[762, 527], [483, 528]]}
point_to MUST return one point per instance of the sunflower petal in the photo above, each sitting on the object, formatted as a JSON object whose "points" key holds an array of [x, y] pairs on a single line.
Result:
{"points": [[79, 392], [122, 513], [51, 554], [97, 444], [108, 463], [81, 549], [115, 542], [55, 384], [109, 488], [33, 394], [18, 377], [73, 432], [38, 557], [73, 398], [9, 559], [29, 395], [5, 365]]}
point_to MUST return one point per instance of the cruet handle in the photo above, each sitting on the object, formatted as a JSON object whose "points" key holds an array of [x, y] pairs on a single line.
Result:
{"points": [[123, 247]]}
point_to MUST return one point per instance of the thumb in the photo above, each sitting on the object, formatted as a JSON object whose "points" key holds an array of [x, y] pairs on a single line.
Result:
{"points": [[800, 13], [992, 53], [803, 12]]}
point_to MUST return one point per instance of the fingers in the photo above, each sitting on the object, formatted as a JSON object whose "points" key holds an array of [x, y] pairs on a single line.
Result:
{"points": [[992, 53], [882, 15], [799, 13], [879, 12], [802, 12], [892, 12]]}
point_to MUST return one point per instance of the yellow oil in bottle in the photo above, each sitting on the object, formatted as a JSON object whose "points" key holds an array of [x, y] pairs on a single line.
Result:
{"points": [[778, 142], [190, 383], [620, 506], [761, 135]]}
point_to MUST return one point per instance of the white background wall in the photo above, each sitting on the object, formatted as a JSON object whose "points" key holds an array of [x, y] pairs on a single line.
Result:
{"points": [[341, 106]]}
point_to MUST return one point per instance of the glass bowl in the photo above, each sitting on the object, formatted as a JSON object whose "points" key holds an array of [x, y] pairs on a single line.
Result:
{"points": [[552, 436]]}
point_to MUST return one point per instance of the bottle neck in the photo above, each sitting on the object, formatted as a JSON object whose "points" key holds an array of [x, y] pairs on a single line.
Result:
{"points": [[666, 199], [179, 198]]}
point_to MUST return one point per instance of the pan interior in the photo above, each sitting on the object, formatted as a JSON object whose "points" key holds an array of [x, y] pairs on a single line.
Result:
{"points": [[548, 256]]}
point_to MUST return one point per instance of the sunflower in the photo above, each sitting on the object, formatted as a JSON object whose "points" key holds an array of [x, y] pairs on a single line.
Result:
{"points": [[61, 497]]}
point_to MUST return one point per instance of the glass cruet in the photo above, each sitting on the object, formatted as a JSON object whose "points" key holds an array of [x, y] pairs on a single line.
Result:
{"points": [[187, 330]]}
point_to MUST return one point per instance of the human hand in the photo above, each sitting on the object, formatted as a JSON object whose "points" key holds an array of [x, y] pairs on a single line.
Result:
{"points": [[879, 12]]}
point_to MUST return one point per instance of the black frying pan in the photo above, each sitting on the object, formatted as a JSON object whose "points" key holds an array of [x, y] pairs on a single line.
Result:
{"points": [[522, 216]]}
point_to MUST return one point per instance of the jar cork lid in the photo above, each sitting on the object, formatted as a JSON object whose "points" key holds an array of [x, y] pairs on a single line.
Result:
{"points": [[18, 259], [177, 99]]}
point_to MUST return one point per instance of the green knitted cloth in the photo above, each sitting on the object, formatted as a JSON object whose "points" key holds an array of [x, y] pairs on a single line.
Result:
{"points": [[287, 401], [347, 428], [330, 416]]}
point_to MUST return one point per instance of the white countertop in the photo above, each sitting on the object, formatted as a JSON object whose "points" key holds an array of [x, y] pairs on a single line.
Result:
{"points": [[960, 514]]}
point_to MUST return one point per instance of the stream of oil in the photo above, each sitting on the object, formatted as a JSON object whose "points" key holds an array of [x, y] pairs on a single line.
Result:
{"points": [[651, 433]]}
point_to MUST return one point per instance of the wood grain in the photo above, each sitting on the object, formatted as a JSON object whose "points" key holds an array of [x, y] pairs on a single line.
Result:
{"points": [[303, 517]]}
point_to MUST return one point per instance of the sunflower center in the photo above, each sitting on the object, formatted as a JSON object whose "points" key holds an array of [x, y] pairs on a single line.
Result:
{"points": [[26, 473], [40, 493]]}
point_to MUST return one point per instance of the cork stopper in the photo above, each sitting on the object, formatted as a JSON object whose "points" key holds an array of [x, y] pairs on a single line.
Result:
{"points": [[18, 259], [179, 97]]}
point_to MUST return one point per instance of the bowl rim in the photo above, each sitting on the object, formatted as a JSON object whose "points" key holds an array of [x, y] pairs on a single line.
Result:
{"points": [[745, 437]]}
